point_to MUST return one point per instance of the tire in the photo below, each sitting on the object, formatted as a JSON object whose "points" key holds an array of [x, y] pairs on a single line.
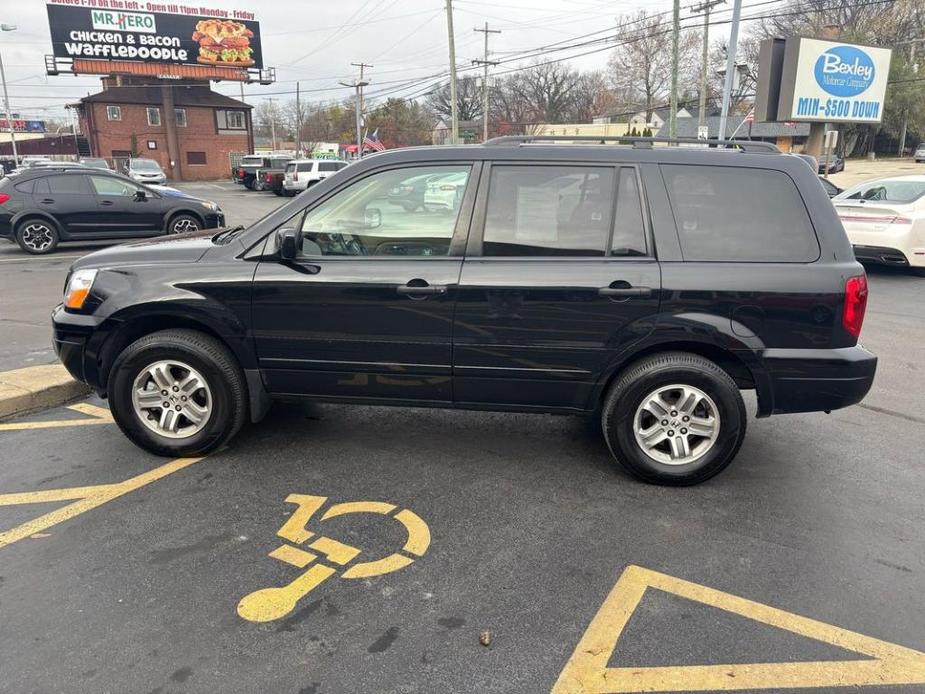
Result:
{"points": [[623, 411], [37, 236], [183, 224], [277, 191], [225, 399], [917, 271]]}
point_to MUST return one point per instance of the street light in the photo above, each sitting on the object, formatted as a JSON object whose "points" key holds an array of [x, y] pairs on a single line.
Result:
{"points": [[6, 98]]}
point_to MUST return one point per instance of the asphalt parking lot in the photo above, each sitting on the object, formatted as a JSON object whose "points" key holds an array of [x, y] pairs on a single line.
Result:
{"points": [[514, 558]]}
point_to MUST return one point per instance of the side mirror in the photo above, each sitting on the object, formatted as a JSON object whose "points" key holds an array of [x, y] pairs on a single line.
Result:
{"points": [[288, 239], [372, 218], [140, 196]]}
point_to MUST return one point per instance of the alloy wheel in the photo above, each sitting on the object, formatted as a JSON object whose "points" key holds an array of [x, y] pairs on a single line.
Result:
{"points": [[183, 226], [37, 236], [172, 399], [676, 424]]}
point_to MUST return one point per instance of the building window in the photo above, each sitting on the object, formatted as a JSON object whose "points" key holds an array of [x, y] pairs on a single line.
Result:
{"points": [[181, 117], [195, 158], [231, 120], [154, 116], [113, 113]]}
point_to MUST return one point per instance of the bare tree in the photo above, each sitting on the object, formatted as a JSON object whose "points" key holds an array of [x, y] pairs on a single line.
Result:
{"points": [[468, 100]]}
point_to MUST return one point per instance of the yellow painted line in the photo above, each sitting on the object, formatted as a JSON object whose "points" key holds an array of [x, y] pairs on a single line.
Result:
{"points": [[367, 569], [46, 495], [418, 532], [267, 604], [294, 528], [586, 672], [293, 555], [99, 415], [335, 551], [358, 507], [95, 496]]}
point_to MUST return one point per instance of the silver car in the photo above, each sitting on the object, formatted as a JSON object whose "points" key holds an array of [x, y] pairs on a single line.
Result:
{"points": [[145, 171]]}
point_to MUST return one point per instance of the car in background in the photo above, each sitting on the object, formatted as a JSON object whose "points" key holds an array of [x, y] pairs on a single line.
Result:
{"points": [[410, 192], [830, 188], [247, 172], [835, 164], [96, 163], [885, 221], [301, 174], [919, 154], [41, 207], [443, 193], [145, 171]]}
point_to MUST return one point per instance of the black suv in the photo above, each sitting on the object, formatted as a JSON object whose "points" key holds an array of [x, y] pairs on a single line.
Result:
{"points": [[644, 285], [44, 205]]}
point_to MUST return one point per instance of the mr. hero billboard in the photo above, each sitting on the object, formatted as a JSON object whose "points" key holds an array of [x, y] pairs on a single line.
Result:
{"points": [[832, 81], [193, 36]]}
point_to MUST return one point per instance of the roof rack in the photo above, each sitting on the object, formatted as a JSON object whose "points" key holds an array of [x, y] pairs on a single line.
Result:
{"points": [[637, 142]]}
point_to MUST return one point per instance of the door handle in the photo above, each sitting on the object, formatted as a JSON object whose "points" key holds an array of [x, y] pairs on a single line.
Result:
{"points": [[625, 291], [48, 201], [420, 290], [107, 203]]}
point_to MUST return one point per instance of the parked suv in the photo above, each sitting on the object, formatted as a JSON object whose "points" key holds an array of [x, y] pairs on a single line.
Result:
{"points": [[646, 286], [302, 173], [44, 205]]}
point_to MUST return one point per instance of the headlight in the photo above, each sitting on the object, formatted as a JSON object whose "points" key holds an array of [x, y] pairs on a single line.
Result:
{"points": [[78, 288], [211, 206]]}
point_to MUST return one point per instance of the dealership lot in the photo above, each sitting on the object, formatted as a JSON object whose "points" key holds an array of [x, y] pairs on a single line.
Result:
{"points": [[125, 572], [514, 558]]}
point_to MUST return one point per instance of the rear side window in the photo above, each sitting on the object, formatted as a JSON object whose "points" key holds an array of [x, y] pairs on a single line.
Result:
{"points": [[738, 214], [328, 166], [548, 211], [67, 185], [305, 167], [25, 186], [629, 232]]}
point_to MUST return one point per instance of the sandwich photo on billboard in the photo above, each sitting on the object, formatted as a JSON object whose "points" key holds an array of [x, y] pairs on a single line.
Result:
{"points": [[223, 42]]}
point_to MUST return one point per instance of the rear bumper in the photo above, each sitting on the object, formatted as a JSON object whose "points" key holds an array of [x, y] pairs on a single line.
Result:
{"points": [[813, 380]]}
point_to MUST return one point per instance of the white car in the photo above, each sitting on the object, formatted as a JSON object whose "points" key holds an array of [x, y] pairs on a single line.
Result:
{"points": [[885, 220], [444, 193], [146, 171], [301, 173], [919, 155]]}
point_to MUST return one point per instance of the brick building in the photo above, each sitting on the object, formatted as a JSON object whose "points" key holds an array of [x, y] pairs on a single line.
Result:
{"points": [[207, 131]]}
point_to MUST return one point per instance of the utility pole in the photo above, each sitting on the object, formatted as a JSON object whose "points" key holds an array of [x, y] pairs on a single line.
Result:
{"points": [[485, 63], [362, 66], [675, 39], [6, 99], [905, 125], [730, 67], [454, 109], [298, 122], [358, 86], [704, 7], [272, 122]]}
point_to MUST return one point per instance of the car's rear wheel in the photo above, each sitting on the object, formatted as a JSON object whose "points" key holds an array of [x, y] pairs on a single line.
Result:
{"points": [[177, 393], [674, 418], [183, 224], [37, 236]]}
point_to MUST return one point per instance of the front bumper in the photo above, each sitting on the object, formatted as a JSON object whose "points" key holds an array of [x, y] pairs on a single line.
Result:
{"points": [[813, 380], [77, 344]]}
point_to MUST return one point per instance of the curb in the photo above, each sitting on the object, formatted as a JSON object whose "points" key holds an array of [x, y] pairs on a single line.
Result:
{"points": [[37, 387]]}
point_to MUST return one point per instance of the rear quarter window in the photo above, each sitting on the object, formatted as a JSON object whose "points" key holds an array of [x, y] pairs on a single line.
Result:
{"points": [[739, 214]]}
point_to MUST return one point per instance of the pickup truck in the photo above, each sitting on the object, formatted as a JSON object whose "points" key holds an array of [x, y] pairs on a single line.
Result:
{"points": [[246, 172]]}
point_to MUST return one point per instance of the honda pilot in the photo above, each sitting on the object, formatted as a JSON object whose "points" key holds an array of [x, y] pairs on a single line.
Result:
{"points": [[642, 284]]}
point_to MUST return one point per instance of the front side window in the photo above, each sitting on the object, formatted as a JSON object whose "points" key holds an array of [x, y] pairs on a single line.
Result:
{"points": [[110, 185], [548, 211], [113, 113], [154, 116], [402, 212], [738, 214]]}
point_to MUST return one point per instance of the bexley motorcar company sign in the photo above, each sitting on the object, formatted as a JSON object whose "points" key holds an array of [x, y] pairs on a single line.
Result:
{"points": [[831, 81], [126, 30]]}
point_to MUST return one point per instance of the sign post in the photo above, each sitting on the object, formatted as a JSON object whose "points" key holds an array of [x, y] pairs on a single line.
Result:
{"points": [[829, 141]]}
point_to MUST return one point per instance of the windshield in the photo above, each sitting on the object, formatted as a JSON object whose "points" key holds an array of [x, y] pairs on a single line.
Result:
{"points": [[252, 161], [896, 190], [145, 165]]}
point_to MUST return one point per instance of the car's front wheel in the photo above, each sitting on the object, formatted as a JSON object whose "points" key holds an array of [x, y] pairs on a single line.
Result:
{"points": [[177, 393], [674, 418], [37, 236], [183, 224]]}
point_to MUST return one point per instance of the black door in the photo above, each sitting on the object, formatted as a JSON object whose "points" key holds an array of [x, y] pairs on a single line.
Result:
{"points": [[126, 209], [561, 280], [366, 311], [68, 198]]}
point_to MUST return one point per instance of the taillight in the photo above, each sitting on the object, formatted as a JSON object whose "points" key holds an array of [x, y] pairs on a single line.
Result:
{"points": [[855, 304], [446, 187], [4, 197]]}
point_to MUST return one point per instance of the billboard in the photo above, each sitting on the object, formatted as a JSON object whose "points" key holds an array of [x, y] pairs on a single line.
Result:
{"points": [[203, 36], [832, 81], [23, 126]]}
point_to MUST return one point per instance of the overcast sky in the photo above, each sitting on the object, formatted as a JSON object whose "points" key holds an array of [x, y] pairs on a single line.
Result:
{"points": [[314, 42]]}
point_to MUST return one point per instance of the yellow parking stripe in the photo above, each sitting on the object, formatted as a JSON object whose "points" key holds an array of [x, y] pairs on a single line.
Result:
{"points": [[99, 415]]}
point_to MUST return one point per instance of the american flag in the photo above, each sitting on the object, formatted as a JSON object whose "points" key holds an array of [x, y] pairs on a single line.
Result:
{"points": [[372, 141]]}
